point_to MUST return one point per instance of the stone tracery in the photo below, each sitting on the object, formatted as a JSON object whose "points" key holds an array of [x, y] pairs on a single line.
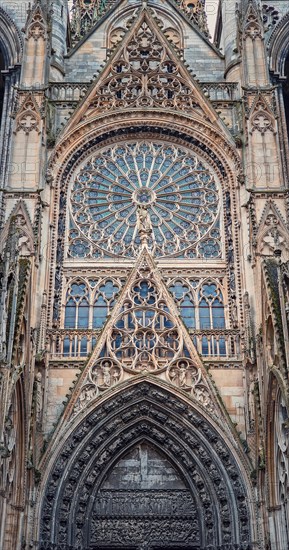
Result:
{"points": [[180, 193]]}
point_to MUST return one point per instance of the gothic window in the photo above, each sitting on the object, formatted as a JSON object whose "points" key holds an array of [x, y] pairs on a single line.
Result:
{"points": [[211, 307], [286, 92], [2, 67], [201, 309], [175, 191], [77, 306], [104, 302], [182, 293], [87, 305]]}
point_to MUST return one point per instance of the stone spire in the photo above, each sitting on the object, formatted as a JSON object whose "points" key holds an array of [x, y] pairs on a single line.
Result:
{"points": [[85, 13], [195, 10]]}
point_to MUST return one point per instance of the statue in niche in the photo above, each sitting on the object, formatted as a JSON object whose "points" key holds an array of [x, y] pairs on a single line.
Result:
{"points": [[252, 386], [106, 374], [182, 374], [38, 396]]}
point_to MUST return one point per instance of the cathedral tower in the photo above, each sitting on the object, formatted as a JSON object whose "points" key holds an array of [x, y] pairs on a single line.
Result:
{"points": [[144, 259]]}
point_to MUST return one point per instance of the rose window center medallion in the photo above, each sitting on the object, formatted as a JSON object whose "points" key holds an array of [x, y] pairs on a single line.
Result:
{"points": [[144, 197], [138, 188]]}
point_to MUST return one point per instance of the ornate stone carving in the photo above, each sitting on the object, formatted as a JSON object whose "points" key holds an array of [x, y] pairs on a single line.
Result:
{"points": [[114, 426], [36, 27], [101, 376], [195, 10], [125, 187], [27, 117], [184, 374], [252, 23], [85, 14], [146, 73]]}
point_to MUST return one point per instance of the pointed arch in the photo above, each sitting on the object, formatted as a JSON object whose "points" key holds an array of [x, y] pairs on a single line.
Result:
{"points": [[19, 223], [278, 46], [277, 455], [144, 411], [12, 464], [11, 42]]}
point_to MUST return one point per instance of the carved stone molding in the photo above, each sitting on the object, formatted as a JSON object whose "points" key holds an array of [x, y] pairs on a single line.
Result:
{"points": [[139, 413]]}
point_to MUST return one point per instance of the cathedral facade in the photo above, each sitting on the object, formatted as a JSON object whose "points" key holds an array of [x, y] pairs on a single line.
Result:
{"points": [[144, 259]]}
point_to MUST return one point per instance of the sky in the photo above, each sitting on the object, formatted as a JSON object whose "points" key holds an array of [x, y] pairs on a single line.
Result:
{"points": [[211, 8]]}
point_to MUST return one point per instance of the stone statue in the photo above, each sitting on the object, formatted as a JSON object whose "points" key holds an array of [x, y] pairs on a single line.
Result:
{"points": [[106, 374], [143, 223], [38, 396], [182, 375]]}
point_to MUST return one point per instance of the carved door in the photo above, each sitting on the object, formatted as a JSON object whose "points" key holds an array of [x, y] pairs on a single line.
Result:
{"points": [[144, 504]]}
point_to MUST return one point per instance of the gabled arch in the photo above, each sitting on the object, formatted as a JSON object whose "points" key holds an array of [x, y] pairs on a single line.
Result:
{"points": [[209, 460]]}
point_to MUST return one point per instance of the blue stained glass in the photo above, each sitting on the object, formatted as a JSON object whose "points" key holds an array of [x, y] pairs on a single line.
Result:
{"points": [[204, 314], [188, 313], [83, 347], [109, 289], [218, 315], [99, 313], [162, 178], [66, 347], [205, 346], [70, 314], [83, 314]]}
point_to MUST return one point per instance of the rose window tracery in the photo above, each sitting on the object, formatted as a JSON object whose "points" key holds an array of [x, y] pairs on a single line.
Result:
{"points": [[171, 188]]}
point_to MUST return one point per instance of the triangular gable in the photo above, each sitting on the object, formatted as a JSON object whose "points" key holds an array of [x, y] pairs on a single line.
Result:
{"points": [[27, 113], [271, 215], [19, 222], [272, 232], [145, 72], [36, 22], [144, 336], [252, 22]]}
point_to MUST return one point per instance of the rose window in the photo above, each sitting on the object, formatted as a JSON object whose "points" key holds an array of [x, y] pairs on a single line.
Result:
{"points": [[156, 190]]}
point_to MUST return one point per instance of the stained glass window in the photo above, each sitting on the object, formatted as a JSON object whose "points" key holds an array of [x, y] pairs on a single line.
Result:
{"points": [[88, 304], [178, 192], [201, 304]]}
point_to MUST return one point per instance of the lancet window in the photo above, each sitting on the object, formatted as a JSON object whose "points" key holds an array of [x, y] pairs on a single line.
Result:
{"points": [[201, 304], [89, 303]]}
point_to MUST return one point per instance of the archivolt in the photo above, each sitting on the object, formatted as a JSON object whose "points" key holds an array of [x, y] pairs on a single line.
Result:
{"points": [[10, 40], [146, 412], [279, 46], [221, 151]]}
